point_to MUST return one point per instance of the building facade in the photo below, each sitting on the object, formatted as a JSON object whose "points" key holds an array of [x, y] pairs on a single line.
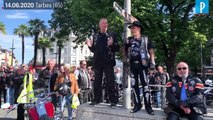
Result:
{"points": [[71, 52], [6, 58]]}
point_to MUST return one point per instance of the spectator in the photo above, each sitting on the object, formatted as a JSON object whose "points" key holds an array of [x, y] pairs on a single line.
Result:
{"points": [[3, 85], [69, 79], [10, 86], [161, 79], [118, 82], [17, 81], [184, 95], [91, 78], [83, 82], [104, 45], [24, 96], [47, 77]]}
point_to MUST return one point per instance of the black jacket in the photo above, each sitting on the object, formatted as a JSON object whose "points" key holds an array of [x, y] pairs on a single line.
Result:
{"points": [[194, 90], [100, 44], [45, 76]]}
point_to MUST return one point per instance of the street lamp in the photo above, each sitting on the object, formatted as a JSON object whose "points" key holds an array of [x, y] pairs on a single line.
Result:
{"points": [[56, 56], [12, 48]]}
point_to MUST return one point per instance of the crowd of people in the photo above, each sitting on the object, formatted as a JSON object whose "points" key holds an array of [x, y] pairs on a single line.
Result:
{"points": [[183, 93]]}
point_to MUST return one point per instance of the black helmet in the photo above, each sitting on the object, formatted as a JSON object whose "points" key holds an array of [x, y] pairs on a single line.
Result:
{"points": [[63, 89]]}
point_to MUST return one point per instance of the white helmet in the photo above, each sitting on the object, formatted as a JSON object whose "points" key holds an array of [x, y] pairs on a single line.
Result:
{"points": [[209, 82]]}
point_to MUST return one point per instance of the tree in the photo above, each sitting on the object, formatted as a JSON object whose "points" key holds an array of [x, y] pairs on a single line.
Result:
{"points": [[22, 31], [35, 27], [43, 43], [2, 28], [60, 38], [169, 24], [82, 17]]}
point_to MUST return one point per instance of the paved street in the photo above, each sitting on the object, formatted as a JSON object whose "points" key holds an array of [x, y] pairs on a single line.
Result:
{"points": [[12, 115]]}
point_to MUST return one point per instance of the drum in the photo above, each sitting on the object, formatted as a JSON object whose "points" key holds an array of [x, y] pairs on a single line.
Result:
{"points": [[33, 114]]}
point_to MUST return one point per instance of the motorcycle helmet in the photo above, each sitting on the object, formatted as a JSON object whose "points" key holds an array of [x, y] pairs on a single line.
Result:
{"points": [[63, 89], [209, 82]]}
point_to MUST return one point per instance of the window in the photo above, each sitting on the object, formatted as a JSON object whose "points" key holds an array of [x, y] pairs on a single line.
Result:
{"points": [[73, 61], [73, 51]]}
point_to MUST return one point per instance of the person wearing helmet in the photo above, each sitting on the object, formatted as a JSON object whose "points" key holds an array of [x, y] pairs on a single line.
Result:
{"points": [[67, 85]]}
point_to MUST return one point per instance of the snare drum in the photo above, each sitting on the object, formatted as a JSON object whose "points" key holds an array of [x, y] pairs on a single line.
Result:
{"points": [[33, 114]]}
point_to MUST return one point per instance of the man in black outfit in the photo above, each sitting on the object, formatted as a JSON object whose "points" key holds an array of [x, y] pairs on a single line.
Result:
{"points": [[141, 58], [103, 45]]}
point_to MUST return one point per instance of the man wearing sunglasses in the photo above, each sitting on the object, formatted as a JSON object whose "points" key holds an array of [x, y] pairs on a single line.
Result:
{"points": [[83, 82], [184, 95]]}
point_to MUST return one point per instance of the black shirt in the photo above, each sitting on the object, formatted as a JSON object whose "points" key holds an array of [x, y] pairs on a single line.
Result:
{"points": [[102, 46]]}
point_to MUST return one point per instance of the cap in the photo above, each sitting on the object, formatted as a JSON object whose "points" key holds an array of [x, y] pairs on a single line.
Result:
{"points": [[136, 23]]}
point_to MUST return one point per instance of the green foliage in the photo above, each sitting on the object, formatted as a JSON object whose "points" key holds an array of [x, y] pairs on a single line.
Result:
{"points": [[82, 17], [22, 30], [44, 42], [171, 25], [2, 28], [35, 27]]}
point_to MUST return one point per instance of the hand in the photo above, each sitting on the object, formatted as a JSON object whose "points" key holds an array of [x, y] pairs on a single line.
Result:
{"points": [[110, 41], [187, 110], [127, 41], [89, 42], [152, 66]]}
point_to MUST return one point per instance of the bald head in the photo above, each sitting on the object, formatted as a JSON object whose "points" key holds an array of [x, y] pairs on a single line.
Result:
{"points": [[51, 64], [182, 69], [103, 25]]}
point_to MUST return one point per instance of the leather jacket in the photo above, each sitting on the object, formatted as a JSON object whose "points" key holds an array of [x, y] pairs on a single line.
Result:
{"points": [[108, 56], [194, 89], [45, 76]]}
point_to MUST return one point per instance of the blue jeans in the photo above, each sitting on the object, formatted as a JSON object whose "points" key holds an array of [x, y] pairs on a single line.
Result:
{"points": [[158, 98], [7, 95], [66, 100], [11, 95]]}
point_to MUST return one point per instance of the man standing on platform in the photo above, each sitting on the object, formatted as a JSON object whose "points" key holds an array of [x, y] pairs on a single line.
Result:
{"points": [[141, 59], [104, 45]]}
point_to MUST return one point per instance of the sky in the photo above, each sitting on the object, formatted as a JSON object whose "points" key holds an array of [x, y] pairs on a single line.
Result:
{"points": [[12, 19]]}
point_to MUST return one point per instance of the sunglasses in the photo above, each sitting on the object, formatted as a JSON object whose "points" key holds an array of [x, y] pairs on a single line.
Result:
{"points": [[183, 68]]}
